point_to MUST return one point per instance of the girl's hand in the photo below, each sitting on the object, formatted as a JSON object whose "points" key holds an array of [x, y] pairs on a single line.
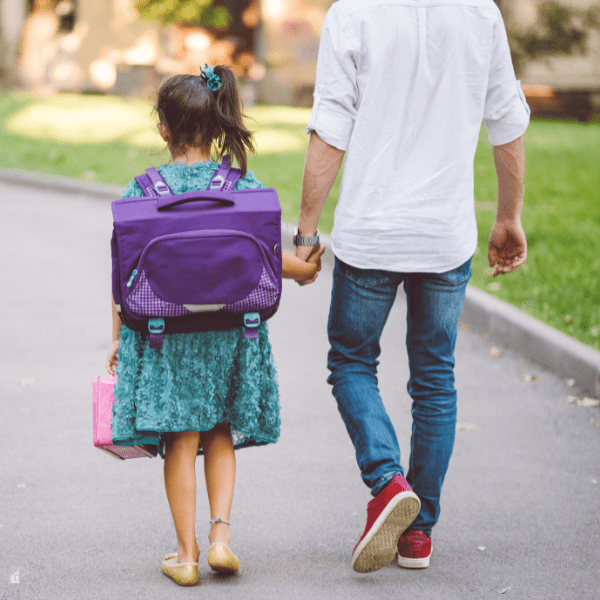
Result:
{"points": [[314, 259], [111, 359]]}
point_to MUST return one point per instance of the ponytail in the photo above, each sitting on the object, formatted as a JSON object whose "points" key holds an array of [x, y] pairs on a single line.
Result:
{"points": [[198, 114], [233, 138]]}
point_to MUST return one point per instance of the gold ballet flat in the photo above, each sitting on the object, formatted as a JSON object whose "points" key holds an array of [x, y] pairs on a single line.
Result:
{"points": [[185, 573], [222, 559]]}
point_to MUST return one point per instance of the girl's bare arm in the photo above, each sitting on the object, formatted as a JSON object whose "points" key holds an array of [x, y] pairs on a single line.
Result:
{"points": [[111, 359], [294, 268], [116, 321]]}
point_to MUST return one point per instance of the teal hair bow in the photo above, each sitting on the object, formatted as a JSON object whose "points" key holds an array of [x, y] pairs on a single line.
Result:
{"points": [[213, 81]]}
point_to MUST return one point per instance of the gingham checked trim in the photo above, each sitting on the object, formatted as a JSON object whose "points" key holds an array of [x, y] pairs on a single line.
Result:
{"points": [[263, 296], [143, 302]]}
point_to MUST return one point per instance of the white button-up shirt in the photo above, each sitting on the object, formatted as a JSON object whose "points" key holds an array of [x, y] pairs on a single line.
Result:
{"points": [[403, 86]]}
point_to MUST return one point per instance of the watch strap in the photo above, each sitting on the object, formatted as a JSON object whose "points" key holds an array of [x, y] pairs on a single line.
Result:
{"points": [[305, 240]]}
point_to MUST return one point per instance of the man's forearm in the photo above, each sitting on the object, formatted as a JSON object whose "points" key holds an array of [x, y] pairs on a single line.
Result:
{"points": [[322, 165], [510, 168]]}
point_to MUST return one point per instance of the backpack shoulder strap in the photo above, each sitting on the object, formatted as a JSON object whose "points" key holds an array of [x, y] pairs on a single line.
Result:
{"points": [[153, 183], [225, 178]]}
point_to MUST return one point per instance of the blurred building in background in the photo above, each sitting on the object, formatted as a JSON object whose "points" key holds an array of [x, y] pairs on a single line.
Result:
{"points": [[104, 46], [561, 74]]}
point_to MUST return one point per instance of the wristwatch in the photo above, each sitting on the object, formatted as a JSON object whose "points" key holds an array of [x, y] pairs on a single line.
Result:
{"points": [[305, 240]]}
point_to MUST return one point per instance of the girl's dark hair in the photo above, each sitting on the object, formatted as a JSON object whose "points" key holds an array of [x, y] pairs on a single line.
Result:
{"points": [[194, 115]]}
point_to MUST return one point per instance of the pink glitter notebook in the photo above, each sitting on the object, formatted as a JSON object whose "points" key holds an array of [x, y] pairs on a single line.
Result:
{"points": [[103, 401]]}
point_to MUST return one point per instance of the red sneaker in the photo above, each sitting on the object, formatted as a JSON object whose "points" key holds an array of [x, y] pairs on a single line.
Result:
{"points": [[388, 516], [414, 550]]}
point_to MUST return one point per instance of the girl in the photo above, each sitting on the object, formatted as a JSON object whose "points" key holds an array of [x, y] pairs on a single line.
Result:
{"points": [[205, 392]]}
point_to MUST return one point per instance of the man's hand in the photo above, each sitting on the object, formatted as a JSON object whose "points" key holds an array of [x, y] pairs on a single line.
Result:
{"points": [[507, 248], [310, 254]]}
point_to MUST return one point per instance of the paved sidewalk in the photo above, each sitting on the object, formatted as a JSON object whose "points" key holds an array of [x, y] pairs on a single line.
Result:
{"points": [[521, 505]]}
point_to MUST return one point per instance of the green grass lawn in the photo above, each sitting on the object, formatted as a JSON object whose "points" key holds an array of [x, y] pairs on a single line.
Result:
{"points": [[111, 140]]}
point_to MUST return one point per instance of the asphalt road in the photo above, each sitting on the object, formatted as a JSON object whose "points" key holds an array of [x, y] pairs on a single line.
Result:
{"points": [[521, 505]]}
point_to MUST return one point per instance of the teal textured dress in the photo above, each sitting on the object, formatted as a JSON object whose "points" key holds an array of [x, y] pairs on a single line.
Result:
{"points": [[200, 379]]}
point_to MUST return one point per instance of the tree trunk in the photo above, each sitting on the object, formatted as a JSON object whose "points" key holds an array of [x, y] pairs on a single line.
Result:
{"points": [[38, 42], [8, 67]]}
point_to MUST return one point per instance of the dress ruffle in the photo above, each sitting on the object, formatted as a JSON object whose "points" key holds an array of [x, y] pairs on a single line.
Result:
{"points": [[200, 379]]}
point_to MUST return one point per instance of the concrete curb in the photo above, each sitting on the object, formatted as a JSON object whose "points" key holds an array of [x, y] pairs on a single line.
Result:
{"points": [[507, 326], [499, 322], [61, 184]]}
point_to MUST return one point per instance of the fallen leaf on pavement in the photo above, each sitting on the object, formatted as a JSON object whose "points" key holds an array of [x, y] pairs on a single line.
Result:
{"points": [[496, 352], [466, 426], [529, 378]]}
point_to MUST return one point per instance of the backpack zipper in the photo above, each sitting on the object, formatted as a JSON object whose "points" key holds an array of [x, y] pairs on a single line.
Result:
{"points": [[130, 282], [204, 233]]}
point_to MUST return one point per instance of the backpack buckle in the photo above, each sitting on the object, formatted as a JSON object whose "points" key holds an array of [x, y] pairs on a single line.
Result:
{"points": [[251, 319], [156, 327], [216, 183], [251, 323], [161, 188]]}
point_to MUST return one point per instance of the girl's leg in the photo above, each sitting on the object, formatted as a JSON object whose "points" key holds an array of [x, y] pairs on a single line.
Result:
{"points": [[219, 470], [180, 484]]}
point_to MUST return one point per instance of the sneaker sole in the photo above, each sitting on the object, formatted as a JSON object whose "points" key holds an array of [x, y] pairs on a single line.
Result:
{"points": [[379, 546], [413, 563]]}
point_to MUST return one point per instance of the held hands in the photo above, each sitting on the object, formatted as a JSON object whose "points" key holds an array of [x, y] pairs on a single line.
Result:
{"points": [[507, 248], [311, 255], [111, 359]]}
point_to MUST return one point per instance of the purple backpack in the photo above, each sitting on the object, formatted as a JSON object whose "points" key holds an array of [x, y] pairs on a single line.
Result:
{"points": [[203, 260]]}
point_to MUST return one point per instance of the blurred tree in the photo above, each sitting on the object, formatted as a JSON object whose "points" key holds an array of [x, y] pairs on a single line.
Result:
{"points": [[204, 13], [559, 30], [8, 76], [37, 42], [230, 24]]}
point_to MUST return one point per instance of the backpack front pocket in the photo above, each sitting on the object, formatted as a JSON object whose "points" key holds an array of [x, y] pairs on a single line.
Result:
{"points": [[202, 271]]}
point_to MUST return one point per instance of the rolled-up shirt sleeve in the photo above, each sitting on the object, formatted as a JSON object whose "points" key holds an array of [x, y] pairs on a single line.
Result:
{"points": [[336, 91], [506, 113]]}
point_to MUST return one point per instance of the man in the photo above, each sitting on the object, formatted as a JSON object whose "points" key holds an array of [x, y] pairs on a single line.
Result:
{"points": [[402, 87]]}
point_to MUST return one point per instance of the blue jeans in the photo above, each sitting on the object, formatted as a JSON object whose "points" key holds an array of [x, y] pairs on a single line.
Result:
{"points": [[361, 301]]}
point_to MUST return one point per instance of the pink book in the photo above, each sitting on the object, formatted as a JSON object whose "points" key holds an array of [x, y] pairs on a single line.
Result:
{"points": [[103, 401]]}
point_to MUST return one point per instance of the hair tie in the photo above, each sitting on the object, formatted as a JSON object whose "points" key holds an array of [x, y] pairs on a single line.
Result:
{"points": [[213, 81]]}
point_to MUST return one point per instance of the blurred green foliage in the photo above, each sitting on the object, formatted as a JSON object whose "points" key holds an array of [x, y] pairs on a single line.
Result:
{"points": [[185, 12]]}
